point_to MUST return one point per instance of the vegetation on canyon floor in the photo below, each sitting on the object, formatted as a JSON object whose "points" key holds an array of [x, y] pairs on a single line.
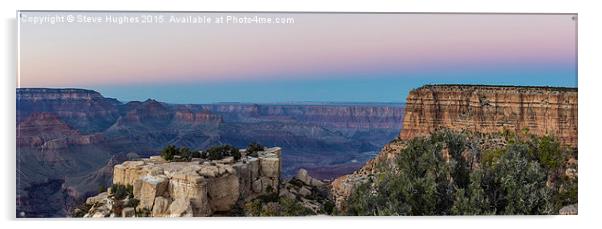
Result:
{"points": [[449, 173], [276, 204], [273, 205]]}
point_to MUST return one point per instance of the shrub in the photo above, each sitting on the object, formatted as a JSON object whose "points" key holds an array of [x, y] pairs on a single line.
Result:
{"points": [[547, 151], [120, 192], [204, 155], [80, 211], [491, 156], [253, 148], [272, 205], [269, 189], [185, 153], [511, 180], [253, 208], [236, 154], [221, 151], [517, 185], [290, 207], [567, 192], [169, 152], [215, 155], [173, 153], [328, 207]]}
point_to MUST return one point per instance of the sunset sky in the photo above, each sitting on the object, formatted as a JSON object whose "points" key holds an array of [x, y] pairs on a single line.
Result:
{"points": [[319, 57]]}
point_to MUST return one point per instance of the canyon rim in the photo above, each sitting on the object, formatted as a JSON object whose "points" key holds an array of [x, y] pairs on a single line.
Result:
{"points": [[486, 118]]}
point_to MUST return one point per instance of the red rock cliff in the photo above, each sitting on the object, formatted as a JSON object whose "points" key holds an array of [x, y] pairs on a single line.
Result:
{"points": [[487, 109]]}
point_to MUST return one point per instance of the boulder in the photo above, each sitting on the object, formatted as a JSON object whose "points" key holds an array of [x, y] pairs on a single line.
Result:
{"points": [[161, 207], [270, 167], [304, 177], [181, 208], [100, 214], [569, 210], [100, 198], [128, 172], [223, 192], [150, 188], [304, 191], [286, 193], [193, 188], [209, 171]]}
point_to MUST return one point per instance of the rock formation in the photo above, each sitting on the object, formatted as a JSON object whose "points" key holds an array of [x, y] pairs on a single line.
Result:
{"points": [[483, 109], [196, 188], [308, 191], [490, 109], [47, 131], [343, 116], [85, 110], [72, 134]]}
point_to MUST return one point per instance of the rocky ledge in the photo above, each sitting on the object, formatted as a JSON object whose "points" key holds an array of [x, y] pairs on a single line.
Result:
{"points": [[196, 188]]}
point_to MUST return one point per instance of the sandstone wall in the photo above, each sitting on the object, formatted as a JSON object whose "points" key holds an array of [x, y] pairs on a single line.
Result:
{"points": [[199, 187], [487, 109]]}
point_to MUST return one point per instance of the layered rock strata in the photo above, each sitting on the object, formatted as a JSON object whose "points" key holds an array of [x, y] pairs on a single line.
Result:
{"points": [[195, 188], [343, 116], [491, 109], [476, 108]]}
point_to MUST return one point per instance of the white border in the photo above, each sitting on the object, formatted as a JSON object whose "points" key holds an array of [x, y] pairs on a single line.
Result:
{"points": [[589, 94]]}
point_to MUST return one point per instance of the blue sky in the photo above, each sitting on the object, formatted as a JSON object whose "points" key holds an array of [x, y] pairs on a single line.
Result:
{"points": [[335, 88]]}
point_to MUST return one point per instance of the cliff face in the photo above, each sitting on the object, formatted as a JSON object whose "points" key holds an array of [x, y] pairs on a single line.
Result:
{"points": [[152, 115], [489, 109], [484, 109], [352, 116], [84, 110], [196, 188], [47, 131]]}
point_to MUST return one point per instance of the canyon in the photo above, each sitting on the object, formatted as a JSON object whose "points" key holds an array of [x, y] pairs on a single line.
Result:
{"points": [[63, 159], [69, 140]]}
